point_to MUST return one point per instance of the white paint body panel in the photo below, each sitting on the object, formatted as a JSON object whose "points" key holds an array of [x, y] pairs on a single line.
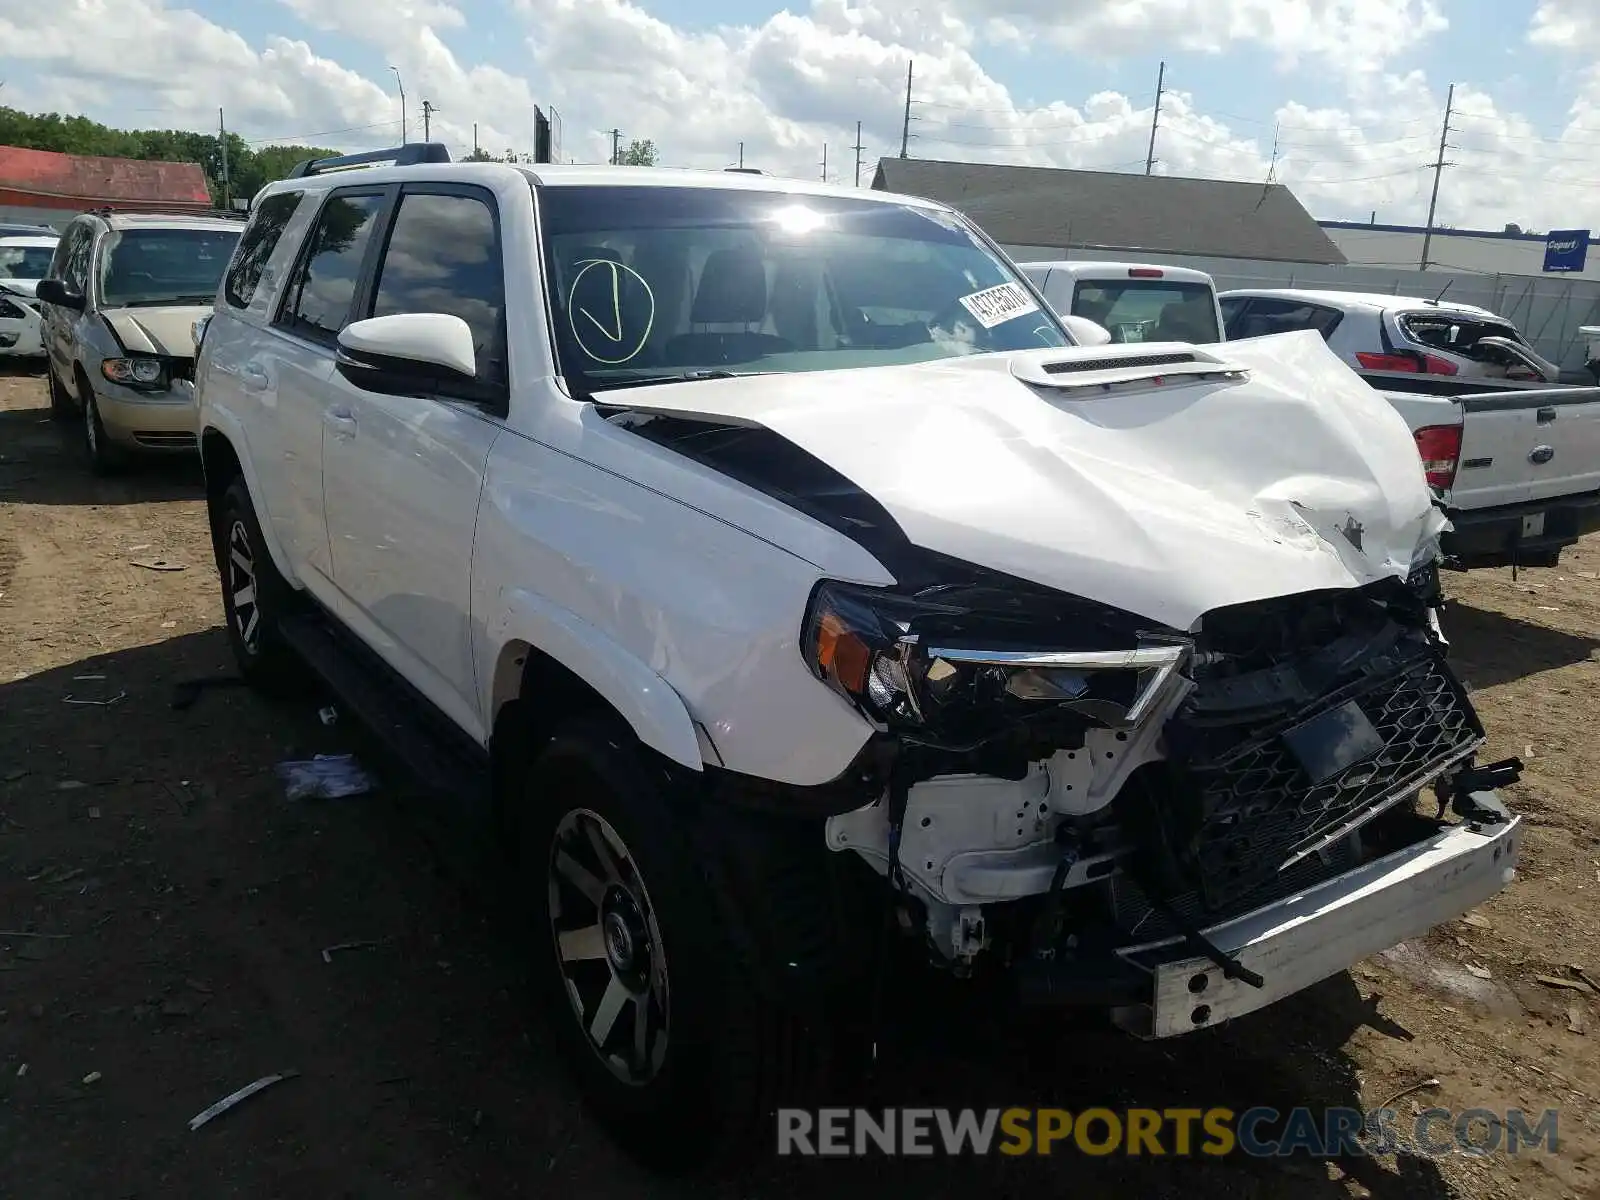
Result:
{"points": [[1166, 502]]}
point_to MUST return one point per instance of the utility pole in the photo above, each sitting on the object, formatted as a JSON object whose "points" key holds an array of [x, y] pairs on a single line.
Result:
{"points": [[905, 128], [222, 145], [428, 109], [474, 139], [824, 162], [858, 153], [741, 156], [1439, 165], [616, 147], [400, 83], [1155, 119]]}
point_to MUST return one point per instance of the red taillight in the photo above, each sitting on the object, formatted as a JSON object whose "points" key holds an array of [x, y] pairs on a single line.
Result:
{"points": [[1146, 273], [1440, 448], [1414, 363], [1387, 362]]}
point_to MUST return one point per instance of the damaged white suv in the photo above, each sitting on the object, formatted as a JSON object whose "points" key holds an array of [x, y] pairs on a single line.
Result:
{"points": [[782, 575]]}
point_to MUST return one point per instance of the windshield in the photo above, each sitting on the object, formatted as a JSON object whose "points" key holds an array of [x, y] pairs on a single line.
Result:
{"points": [[25, 262], [653, 283], [163, 266], [1149, 310]]}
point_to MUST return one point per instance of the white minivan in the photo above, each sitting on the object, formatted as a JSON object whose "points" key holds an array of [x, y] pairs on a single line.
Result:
{"points": [[1134, 302]]}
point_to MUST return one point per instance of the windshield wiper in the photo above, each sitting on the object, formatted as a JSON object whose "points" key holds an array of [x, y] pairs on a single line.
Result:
{"points": [[166, 301]]}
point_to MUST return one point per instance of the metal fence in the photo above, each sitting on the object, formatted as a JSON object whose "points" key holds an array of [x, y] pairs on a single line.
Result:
{"points": [[1548, 310]]}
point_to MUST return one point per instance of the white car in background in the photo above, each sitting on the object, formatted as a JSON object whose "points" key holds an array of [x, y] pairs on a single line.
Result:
{"points": [[1372, 331], [23, 262], [1133, 302]]}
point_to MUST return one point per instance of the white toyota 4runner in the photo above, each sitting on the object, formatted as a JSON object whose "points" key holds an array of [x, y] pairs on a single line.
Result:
{"points": [[786, 578]]}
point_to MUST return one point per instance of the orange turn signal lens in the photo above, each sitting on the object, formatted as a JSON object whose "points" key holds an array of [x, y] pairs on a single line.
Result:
{"points": [[842, 653]]}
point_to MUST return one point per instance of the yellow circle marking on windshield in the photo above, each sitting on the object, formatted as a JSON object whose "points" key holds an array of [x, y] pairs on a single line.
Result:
{"points": [[602, 328]]}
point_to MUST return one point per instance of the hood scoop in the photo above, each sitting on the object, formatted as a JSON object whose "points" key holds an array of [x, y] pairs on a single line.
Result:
{"points": [[1147, 364]]}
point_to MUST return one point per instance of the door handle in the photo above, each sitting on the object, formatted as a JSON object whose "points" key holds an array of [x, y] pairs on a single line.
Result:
{"points": [[253, 378], [1546, 414], [340, 421]]}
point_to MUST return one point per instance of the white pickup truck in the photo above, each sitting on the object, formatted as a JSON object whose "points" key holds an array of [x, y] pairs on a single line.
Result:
{"points": [[788, 586], [1516, 466]]}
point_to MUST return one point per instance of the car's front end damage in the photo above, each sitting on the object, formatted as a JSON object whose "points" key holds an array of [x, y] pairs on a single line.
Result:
{"points": [[1154, 820], [1161, 716]]}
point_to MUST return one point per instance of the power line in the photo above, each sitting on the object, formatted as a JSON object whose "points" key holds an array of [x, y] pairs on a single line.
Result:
{"points": [[301, 138]]}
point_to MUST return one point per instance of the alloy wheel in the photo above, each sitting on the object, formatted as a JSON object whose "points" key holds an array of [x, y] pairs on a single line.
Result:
{"points": [[242, 587], [608, 947]]}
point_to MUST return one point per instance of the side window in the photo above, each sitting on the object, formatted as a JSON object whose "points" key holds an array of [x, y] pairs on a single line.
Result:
{"points": [[1266, 317], [1233, 310], [72, 261], [316, 304], [256, 245], [443, 256]]}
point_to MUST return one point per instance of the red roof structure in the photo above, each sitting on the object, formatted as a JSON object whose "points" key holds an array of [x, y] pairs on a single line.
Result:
{"points": [[46, 179]]}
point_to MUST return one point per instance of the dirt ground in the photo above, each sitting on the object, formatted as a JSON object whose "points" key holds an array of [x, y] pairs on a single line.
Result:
{"points": [[187, 903]]}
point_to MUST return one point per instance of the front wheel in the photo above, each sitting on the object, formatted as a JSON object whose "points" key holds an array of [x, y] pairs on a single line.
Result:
{"points": [[643, 984], [61, 406], [104, 458]]}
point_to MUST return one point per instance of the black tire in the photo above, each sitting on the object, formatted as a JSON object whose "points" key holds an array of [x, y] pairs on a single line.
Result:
{"points": [[61, 406], [255, 597], [731, 1055], [104, 458]]}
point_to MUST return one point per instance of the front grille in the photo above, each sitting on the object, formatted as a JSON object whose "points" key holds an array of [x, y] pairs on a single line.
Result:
{"points": [[165, 441], [1253, 808]]}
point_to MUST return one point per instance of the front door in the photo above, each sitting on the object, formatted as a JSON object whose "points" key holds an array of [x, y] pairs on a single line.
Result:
{"points": [[403, 474]]}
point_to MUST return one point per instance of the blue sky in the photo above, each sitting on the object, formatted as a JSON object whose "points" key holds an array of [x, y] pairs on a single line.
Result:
{"points": [[1357, 86]]}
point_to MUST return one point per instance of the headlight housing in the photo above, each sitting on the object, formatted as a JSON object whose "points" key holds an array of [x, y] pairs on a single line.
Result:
{"points": [[135, 372], [944, 672]]}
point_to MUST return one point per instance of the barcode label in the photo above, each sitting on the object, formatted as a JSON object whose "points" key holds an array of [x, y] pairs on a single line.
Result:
{"points": [[997, 304]]}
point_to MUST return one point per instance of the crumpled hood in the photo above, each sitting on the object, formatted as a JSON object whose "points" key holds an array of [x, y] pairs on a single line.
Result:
{"points": [[156, 330], [21, 287], [1166, 501]]}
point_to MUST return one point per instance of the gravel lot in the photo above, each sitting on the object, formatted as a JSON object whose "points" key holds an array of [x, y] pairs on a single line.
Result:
{"points": [[189, 903]]}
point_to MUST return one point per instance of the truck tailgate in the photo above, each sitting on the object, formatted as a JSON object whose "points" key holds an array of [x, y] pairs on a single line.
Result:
{"points": [[1524, 446]]}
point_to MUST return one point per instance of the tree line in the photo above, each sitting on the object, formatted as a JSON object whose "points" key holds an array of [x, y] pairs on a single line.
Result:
{"points": [[249, 168]]}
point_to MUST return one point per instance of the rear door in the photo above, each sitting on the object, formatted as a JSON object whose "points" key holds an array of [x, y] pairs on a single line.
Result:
{"points": [[71, 266], [291, 372]]}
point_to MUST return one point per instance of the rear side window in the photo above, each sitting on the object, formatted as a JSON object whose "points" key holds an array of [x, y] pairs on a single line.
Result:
{"points": [[256, 246], [1265, 317], [316, 304], [1457, 334], [443, 256]]}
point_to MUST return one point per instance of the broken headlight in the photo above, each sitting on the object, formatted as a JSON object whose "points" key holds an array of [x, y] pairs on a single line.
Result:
{"points": [[926, 664]]}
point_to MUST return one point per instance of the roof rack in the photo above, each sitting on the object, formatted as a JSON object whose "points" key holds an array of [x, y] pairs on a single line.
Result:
{"points": [[400, 156]]}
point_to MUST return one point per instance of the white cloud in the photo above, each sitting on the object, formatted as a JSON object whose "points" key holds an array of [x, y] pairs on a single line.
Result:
{"points": [[788, 83]]}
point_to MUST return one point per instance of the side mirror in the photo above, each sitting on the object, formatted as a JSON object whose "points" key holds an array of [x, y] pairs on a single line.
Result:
{"points": [[1086, 332], [54, 291], [407, 352]]}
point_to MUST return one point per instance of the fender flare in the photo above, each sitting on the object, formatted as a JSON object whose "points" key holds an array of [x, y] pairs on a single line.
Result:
{"points": [[232, 431], [650, 705]]}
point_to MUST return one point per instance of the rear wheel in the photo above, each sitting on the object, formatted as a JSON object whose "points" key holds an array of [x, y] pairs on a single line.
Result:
{"points": [[255, 598], [641, 977]]}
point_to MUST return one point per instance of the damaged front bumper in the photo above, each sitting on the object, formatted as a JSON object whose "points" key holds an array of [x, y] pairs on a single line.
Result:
{"points": [[1303, 939]]}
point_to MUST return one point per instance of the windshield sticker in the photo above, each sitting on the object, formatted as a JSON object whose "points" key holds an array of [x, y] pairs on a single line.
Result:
{"points": [[612, 310], [996, 305]]}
